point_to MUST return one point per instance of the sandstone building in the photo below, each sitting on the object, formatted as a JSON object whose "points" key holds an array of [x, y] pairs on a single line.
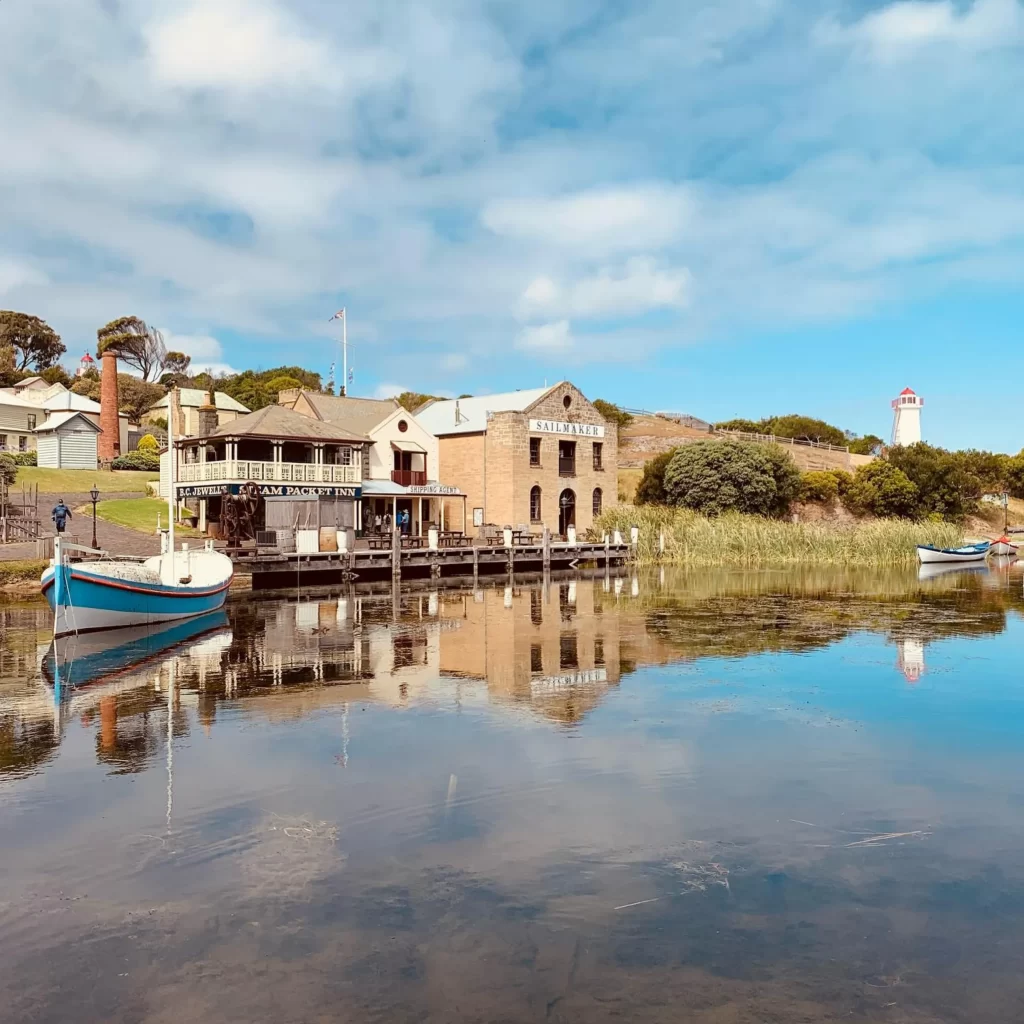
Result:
{"points": [[536, 458]]}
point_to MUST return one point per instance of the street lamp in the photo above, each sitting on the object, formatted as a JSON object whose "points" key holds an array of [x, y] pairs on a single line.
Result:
{"points": [[95, 495]]}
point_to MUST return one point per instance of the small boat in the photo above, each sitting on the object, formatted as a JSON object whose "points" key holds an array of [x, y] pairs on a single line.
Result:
{"points": [[113, 593], [928, 553], [1003, 546]]}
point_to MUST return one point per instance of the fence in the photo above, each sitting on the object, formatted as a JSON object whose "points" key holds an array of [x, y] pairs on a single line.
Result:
{"points": [[682, 418], [741, 435]]}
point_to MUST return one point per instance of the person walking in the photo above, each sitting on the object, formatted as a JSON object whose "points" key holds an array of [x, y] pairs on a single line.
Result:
{"points": [[387, 522], [61, 515], [377, 523]]}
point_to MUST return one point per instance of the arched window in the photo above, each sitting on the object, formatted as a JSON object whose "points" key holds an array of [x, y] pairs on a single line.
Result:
{"points": [[535, 504], [597, 501]]}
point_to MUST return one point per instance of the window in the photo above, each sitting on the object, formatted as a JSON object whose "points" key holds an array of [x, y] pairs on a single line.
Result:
{"points": [[597, 501], [22, 444], [345, 456], [598, 651], [566, 458], [567, 656], [567, 401], [3, 442], [534, 504], [598, 455], [31, 421], [534, 451], [403, 426], [536, 658]]}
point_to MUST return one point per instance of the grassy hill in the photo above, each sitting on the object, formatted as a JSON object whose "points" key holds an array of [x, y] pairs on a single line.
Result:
{"points": [[80, 481]]}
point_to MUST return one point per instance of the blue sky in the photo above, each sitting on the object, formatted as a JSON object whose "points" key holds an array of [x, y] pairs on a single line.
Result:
{"points": [[736, 207]]}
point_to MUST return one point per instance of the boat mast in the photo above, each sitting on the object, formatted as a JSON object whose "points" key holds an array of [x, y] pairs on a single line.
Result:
{"points": [[171, 478]]}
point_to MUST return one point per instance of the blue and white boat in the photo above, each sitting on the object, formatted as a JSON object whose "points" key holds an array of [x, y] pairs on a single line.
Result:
{"points": [[929, 554], [112, 593]]}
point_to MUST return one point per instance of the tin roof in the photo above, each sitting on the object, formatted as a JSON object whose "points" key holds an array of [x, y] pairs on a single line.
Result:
{"points": [[278, 423], [469, 415]]}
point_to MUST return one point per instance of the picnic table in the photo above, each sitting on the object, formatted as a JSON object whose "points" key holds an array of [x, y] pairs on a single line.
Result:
{"points": [[452, 539]]}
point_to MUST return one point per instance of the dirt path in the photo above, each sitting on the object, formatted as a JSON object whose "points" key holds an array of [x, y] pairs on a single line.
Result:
{"points": [[118, 540]]}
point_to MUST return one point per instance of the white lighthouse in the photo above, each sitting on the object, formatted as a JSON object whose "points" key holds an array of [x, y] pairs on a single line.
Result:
{"points": [[906, 418]]}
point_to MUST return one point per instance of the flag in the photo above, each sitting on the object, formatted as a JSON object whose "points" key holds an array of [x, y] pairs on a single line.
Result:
{"points": [[339, 315], [350, 373]]}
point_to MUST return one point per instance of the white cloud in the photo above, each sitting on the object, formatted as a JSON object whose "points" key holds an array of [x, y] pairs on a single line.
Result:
{"points": [[390, 390], [636, 287], [602, 220], [545, 339], [16, 274], [240, 44], [206, 351], [894, 31], [454, 361]]}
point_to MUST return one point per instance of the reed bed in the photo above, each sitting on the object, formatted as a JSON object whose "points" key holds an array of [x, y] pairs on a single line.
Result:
{"points": [[737, 539]]}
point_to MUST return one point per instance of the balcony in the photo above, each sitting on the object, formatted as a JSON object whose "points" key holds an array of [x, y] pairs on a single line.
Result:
{"points": [[237, 471], [566, 467], [409, 477]]}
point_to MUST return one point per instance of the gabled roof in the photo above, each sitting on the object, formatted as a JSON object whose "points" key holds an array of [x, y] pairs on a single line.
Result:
{"points": [[69, 400], [8, 396], [359, 414], [60, 419], [440, 418], [281, 424], [195, 398], [907, 391]]}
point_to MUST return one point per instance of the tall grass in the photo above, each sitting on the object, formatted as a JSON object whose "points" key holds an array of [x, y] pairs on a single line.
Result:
{"points": [[736, 539]]}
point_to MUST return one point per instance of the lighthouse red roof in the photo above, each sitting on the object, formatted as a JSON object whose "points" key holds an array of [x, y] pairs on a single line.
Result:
{"points": [[87, 358], [907, 391]]}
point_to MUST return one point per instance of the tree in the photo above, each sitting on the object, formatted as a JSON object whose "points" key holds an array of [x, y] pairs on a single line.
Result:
{"points": [[651, 489], [744, 426], [175, 369], [713, 477], [881, 489], [8, 468], [57, 375], [805, 428], [945, 481], [148, 443], [137, 396], [134, 343], [283, 383], [819, 486], [869, 444], [412, 400], [612, 413], [34, 342]]}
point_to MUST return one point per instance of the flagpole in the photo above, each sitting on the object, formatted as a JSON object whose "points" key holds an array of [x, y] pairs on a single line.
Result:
{"points": [[344, 352]]}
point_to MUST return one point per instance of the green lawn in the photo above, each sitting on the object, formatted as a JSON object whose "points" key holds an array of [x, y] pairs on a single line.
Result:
{"points": [[137, 514], [80, 481], [22, 571]]}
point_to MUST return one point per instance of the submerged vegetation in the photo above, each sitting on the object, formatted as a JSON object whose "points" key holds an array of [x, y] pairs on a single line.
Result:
{"points": [[738, 539]]}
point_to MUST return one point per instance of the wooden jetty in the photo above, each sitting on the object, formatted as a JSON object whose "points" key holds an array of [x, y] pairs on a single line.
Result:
{"points": [[273, 569]]}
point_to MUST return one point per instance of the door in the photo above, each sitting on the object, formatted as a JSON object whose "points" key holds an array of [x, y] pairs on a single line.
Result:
{"points": [[566, 511]]}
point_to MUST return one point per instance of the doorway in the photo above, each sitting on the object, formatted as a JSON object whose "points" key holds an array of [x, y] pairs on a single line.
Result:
{"points": [[566, 511]]}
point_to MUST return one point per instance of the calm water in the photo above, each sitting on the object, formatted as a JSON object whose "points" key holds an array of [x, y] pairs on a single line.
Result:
{"points": [[702, 797]]}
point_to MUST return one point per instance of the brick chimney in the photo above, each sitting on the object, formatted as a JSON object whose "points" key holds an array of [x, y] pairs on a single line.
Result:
{"points": [[108, 444], [208, 415], [175, 413]]}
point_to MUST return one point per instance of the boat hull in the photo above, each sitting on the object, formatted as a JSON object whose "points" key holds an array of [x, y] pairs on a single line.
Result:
{"points": [[1003, 547], [971, 553], [92, 602]]}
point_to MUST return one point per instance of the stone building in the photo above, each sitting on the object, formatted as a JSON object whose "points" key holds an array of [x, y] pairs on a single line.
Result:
{"points": [[536, 458]]}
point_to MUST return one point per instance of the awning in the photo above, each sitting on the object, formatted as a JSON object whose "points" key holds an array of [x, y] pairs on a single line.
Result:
{"points": [[408, 446], [388, 488]]}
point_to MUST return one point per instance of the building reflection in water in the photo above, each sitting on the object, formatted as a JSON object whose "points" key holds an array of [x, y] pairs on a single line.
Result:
{"points": [[552, 649]]}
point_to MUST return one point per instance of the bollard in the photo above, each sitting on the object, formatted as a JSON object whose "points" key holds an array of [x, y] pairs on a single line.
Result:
{"points": [[570, 535], [432, 536], [661, 542], [617, 537], [507, 535], [634, 535]]}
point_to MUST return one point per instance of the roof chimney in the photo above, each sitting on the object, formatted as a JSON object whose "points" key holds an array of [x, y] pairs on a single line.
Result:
{"points": [[207, 415]]}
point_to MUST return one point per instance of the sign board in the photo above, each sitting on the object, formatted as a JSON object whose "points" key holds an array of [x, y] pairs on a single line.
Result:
{"points": [[574, 429], [478, 517], [434, 489], [560, 682], [272, 490]]}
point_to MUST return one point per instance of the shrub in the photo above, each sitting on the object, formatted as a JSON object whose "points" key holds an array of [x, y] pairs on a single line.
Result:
{"points": [[148, 443], [8, 468], [721, 476], [25, 458], [946, 482], [843, 480], [651, 489], [820, 486], [612, 413], [138, 460], [881, 489]]}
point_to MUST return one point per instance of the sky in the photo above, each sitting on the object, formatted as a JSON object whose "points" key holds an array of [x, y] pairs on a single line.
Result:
{"points": [[718, 207]]}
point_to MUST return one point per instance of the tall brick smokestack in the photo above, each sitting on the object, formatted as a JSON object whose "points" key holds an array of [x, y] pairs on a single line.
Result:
{"points": [[108, 444]]}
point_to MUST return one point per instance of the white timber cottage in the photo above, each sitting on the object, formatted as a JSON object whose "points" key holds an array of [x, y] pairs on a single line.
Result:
{"points": [[67, 440]]}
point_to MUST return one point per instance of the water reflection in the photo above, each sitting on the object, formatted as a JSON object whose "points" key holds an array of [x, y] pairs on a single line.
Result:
{"points": [[706, 796]]}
